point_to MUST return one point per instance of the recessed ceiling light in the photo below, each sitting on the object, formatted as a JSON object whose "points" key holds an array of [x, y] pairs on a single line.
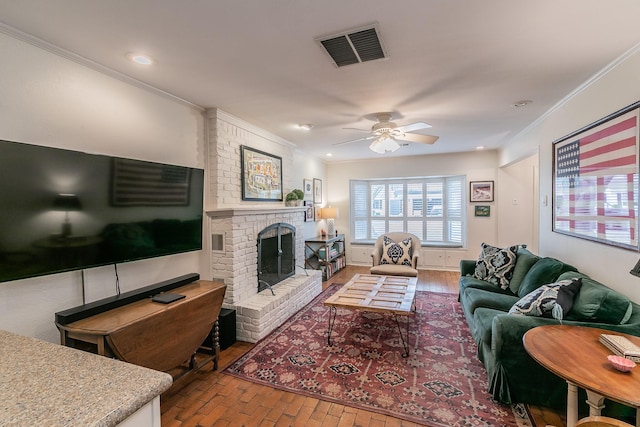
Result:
{"points": [[523, 103], [480, 147], [305, 126], [140, 59], [329, 154]]}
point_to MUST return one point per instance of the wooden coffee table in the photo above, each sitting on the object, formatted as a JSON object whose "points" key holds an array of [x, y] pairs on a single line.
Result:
{"points": [[574, 354], [383, 294]]}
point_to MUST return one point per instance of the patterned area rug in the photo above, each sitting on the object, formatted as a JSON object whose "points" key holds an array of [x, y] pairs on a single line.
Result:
{"points": [[441, 383]]}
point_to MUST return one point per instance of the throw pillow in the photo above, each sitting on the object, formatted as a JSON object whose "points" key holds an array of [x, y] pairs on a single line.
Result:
{"points": [[397, 253], [496, 265], [552, 300], [598, 303]]}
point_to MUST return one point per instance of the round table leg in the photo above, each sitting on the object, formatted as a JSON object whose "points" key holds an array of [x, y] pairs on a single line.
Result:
{"points": [[572, 404]]}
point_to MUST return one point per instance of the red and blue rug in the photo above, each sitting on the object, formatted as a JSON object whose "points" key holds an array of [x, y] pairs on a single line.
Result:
{"points": [[441, 384]]}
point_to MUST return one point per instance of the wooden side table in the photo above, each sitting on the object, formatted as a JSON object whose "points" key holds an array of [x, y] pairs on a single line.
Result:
{"points": [[574, 354]]}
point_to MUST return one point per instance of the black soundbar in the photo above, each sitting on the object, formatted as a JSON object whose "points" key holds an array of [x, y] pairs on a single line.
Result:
{"points": [[86, 310]]}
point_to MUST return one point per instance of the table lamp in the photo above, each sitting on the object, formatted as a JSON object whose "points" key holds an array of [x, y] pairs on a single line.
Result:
{"points": [[66, 202], [329, 214]]}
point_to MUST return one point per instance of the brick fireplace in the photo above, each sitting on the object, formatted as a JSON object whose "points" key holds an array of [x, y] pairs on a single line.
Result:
{"points": [[234, 224], [234, 260]]}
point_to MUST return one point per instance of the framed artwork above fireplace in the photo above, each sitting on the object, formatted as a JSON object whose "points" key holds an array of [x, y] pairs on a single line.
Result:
{"points": [[261, 175]]}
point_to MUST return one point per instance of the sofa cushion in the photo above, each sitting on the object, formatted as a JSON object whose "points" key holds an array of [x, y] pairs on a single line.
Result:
{"points": [[471, 282], [473, 298], [393, 270], [524, 261], [495, 265], [397, 253], [545, 270], [552, 300], [596, 302]]}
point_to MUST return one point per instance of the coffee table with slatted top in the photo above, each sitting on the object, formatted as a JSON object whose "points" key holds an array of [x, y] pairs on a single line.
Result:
{"points": [[375, 293]]}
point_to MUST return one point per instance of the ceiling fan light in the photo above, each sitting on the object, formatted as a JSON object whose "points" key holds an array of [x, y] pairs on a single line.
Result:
{"points": [[390, 144], [376, 147], [382, 145]]}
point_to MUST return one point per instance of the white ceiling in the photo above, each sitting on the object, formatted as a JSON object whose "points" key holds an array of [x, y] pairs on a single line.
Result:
{"points": [[459, 65]]}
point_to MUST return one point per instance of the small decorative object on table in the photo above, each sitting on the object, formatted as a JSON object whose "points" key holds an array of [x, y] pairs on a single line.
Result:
{"points": [[620, 363]]}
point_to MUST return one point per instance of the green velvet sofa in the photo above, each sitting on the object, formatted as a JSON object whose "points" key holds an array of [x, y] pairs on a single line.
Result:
{"points": [[513, 376]]}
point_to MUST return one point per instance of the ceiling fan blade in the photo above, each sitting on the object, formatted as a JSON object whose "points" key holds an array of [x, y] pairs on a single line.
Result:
{"points": [[416, 137], [414, 126], [363, 130], [356, 140]]}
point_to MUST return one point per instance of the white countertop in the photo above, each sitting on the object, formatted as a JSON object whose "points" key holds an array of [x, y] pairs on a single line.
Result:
{"points": [[46, 384]]}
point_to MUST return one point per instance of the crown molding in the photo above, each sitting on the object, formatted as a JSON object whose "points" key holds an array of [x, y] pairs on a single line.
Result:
{"points": [[584, 86], [81, 60]]}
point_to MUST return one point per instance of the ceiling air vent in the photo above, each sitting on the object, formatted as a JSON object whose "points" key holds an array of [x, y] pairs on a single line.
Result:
{"points": [[354, 46]]}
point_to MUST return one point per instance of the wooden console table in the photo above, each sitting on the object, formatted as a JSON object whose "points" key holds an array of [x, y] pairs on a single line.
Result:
{"points": [[151, 334]]}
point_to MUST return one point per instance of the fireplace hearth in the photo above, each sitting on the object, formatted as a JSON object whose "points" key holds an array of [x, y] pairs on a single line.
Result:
{"points": [[276, 254], [235, 262]]}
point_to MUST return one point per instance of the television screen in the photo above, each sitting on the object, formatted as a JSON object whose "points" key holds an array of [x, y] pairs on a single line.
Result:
{"points": [[63, 210]]}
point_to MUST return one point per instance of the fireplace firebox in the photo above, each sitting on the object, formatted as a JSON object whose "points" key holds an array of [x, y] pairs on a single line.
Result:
{"points": [[276, 254]]}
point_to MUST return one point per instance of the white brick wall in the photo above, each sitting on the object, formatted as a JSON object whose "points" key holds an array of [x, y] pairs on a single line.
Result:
{"points": [[240, 222], [237, 265]]}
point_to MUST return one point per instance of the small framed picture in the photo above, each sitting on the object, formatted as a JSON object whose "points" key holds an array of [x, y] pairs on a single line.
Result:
{"points": [[481, 191], [317, 210], [482, 210], [310, 212], [317, 191], [307, 188]]}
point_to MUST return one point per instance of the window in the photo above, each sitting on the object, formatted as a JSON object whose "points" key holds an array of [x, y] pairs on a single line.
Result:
{"points": [[432, 208]]}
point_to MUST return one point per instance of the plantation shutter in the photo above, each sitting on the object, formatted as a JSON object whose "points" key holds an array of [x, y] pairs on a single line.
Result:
{"points": [[432, 208]]}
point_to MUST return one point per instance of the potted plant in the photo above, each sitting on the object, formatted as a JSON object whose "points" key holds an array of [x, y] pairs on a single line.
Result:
{"points": [[294, 198]]}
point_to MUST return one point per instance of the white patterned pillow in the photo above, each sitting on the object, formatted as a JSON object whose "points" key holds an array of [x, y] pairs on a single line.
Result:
{"points": [[397, 253], [496, 265], [552, 300]]}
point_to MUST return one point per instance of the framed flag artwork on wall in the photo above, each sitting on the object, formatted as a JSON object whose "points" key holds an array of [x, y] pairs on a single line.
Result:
{"points": [[595, 181]]}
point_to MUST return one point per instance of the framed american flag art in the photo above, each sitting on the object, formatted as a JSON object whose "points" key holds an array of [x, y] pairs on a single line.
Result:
{"points": [[595, 181]]}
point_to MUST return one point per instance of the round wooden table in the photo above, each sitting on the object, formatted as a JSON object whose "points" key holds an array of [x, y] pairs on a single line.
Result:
{"points": [[574, 354]]}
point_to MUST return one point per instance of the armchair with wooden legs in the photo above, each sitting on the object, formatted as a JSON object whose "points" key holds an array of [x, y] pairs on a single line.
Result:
{"points": [[396, 254]]}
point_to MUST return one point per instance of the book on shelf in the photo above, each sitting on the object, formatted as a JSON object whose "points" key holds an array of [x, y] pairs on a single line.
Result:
{"points": [[621, 346], [333, 267]]}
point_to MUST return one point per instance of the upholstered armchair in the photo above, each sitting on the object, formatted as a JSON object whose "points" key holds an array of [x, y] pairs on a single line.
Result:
{"points": [[396, 254]]}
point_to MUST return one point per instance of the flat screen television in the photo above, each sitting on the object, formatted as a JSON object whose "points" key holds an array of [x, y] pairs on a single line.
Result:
{"points": [[63, 210]]}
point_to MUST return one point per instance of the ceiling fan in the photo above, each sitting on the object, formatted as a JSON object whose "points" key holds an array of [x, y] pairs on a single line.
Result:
{"points": [[386, 134]]}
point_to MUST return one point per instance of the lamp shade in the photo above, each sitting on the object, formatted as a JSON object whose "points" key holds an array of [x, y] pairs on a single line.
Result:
{"points": [[67, 202], [329, 212]]}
